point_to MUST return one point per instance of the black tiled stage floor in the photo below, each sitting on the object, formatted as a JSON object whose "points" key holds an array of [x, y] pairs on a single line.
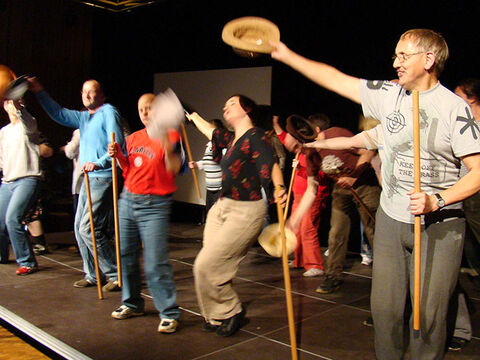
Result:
{"points": [[327, 326]]}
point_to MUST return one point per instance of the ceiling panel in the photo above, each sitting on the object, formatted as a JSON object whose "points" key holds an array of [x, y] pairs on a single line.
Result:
{"points": [[118, 5]]}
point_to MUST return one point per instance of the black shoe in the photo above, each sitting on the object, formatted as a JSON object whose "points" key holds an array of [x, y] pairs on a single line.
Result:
{"points": [[232, 325], [368, 321], [207, 327], [475, 280], [4, 256], [39, 249], [457, 344], [329, 285]]}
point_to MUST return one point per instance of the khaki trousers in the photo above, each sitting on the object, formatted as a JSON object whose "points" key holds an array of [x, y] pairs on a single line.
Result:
{"points": [[232, 227]]}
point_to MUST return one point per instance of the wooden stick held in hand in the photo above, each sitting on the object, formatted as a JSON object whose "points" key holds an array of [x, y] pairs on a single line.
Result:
{"points": [[289, 195], [190, 158], [94, 241], [286, 277], [362, 204], [115, 215], [417, 224]]}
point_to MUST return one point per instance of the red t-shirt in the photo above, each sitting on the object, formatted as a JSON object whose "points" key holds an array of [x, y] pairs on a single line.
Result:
{"points": [[146, 172]]}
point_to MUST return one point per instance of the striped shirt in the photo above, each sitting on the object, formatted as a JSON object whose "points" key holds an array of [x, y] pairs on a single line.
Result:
{"points": [[213, 171]]}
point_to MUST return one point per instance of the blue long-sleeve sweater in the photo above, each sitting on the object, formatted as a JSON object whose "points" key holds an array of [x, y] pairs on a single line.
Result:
{"points": [[95, 131]]}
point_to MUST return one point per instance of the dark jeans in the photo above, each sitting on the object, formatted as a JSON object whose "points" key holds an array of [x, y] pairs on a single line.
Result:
{"points": [[212, 197]]}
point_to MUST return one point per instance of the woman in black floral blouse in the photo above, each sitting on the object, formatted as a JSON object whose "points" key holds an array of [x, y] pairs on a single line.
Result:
{"points": [[236, 219]]}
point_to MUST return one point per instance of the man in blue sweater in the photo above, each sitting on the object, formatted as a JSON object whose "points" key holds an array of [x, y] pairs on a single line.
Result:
{"points": [[96, 124]]}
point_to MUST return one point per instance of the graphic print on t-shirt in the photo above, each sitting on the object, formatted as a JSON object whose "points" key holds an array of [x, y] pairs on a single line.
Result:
{"points": [[470, 123]]}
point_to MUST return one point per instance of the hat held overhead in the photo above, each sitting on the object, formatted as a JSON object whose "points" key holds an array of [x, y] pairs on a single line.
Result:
{"points": [[249, 36]]}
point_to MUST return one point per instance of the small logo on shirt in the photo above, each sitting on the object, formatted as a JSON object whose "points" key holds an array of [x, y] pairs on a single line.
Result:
{"points": [[395, 122], [378, 84], [138, 161]]}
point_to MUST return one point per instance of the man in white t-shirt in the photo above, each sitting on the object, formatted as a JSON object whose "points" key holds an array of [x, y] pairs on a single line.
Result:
{"points": [[448, 135]]}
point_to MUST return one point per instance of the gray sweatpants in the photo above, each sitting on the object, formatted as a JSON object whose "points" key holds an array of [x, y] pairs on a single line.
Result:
{"points": [[393, 272]]}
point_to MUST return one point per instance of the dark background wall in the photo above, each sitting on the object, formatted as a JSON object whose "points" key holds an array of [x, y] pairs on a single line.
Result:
{"points": [[64, 42]]}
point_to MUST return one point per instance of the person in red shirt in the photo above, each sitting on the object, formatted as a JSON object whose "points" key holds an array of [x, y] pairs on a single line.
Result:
{"points": [[307, 173], [149, 170]]}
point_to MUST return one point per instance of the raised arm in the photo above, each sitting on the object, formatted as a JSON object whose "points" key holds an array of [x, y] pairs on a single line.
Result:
{"points": [[57, 113], [338, 143], [324, 75], [203, 125], [173, 163]]}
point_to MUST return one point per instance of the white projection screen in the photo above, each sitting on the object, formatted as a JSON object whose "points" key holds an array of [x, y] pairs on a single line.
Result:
{"points": [[206, 92]]}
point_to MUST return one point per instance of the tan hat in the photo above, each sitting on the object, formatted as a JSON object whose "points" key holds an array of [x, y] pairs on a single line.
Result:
{"points": [[250, 35], [271, 240]]}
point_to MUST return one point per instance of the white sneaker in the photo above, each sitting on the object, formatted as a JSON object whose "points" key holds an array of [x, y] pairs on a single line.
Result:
{"points": [[366, 260], [167, 326], [326, 252], [313, 272], [124, 312], [291, 264]]}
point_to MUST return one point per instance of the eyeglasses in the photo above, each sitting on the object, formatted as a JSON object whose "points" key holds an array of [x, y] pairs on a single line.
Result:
{"points": [[402, 57]]}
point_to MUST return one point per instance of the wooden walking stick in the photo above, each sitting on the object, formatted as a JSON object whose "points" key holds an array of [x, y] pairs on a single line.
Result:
{"points": [[115, 215], [189, 153], [417, 224], [362, 204], [286, 276], [94, 241], [285, 214]]}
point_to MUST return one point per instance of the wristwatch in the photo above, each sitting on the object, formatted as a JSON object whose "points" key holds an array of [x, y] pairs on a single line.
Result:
{"points": [[440, 201]]}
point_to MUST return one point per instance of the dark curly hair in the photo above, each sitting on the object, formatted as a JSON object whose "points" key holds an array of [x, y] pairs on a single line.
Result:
{"points": [[471, 88], [249, 106]]}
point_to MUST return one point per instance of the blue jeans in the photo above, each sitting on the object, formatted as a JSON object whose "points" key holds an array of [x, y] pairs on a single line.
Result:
{"points": [[145, 218], [15, 199], [102, 204]]}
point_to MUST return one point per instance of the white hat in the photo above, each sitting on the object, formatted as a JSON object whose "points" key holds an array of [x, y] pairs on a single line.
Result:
{"points": [[271, 240], [167, 113]]}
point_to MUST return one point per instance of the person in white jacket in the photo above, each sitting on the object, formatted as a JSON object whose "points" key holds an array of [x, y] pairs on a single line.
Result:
{"points": [[20, 163], [72, 151]]}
